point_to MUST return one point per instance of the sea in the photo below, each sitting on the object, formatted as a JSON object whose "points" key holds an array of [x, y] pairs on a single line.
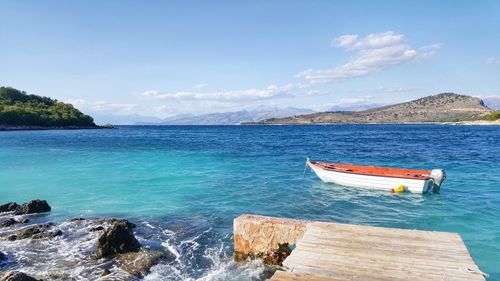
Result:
{"points": [[183, 186]]}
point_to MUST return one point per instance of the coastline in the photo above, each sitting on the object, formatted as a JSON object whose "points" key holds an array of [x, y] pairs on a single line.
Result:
{"points": [[465, 123], [40, 128], [477, 123]]}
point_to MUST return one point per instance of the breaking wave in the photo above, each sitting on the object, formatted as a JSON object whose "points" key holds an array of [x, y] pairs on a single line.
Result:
{"points": [[197, 251]]}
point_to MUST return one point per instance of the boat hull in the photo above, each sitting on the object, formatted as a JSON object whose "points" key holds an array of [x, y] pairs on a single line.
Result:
{"points": [[371, 181]]}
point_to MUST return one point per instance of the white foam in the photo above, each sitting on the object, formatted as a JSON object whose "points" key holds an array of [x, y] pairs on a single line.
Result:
{"points": [[200, 256]]}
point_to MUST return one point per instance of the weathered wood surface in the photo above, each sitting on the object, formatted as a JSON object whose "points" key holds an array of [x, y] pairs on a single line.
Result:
{"points": [[294, 276], [333, 252]]}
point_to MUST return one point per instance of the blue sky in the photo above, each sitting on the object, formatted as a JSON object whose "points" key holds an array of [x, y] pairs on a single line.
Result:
{"points": [[163, 58]]}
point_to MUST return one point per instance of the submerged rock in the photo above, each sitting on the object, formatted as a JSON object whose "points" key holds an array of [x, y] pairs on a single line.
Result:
{"points": [[105, 272], [36, 232], [139, 263], [96, 228], [50, 234], [3, 256], [117, 239], [8, 207], [11, 221], [17, 276], [33, 207]]}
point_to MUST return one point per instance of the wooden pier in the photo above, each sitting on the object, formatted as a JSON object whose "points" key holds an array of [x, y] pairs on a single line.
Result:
{"points": [[332, 251]]}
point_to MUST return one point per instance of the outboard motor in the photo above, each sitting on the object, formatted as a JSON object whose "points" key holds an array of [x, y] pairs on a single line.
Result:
{"points": [[437, 176]]}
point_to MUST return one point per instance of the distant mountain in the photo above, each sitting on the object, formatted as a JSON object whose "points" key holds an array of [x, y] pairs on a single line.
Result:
{"points": [[127, 119], [19, 110], [492, 102], [236, 117], [445, 107]]}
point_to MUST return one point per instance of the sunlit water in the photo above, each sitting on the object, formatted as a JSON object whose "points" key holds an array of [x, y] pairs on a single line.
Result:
{"points": [[183, 186]]}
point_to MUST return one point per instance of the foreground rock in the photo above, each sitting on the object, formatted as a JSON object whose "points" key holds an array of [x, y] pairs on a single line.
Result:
{"points": [[33, 207], [117, 239], [36, 232], [8, 207], [17, 276], [11, 221], [139, 263]]}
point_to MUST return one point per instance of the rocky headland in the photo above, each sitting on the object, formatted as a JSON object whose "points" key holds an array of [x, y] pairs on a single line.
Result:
{"points": [[22, 111], [440, 108]]}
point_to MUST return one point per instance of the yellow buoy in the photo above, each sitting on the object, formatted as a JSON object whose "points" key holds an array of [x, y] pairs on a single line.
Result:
{"points": [[400, 188]]}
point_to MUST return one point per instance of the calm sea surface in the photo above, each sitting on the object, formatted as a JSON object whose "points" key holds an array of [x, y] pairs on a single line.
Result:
{"points": [[183, 186]]}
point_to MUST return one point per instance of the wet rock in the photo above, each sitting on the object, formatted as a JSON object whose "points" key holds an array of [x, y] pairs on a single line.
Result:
{"points": [[77, 219], [8, 222], [11, 221], [105, 272], [33, 207], [31, 231], [117, 239], [112, 221], [279, 255], [139, 263], [17, 276], [8, 207], [3, 256], [50, 234], [97, 228]]}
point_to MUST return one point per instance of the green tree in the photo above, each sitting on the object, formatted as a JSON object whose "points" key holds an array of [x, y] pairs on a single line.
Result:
{"points": [[20, 109]]}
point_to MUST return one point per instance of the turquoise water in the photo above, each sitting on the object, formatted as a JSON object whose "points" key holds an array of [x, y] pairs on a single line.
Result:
{"points": [[199, 178]]}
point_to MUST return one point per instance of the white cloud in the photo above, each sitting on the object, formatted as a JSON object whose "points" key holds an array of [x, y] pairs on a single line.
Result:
{"points": [[348, 104], [397, 89], [271, 91], [493, 60], [200, 86], [374, 40], [102, 106], [373, 53]]}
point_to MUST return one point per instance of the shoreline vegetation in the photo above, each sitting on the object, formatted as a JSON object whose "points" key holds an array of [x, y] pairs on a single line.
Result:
{"points": [[42, 128], [21, 111]]}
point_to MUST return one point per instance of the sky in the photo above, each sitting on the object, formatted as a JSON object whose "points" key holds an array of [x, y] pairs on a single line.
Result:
{"points": [[165, 58]]}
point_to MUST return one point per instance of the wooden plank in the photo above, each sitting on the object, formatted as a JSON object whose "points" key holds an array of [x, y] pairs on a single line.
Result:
{"points": [[348, 252], [343, 252], [374, 275], [294, 276], [384, 246], [450, 270], [390, 233], [370, 251], [390, 243]]}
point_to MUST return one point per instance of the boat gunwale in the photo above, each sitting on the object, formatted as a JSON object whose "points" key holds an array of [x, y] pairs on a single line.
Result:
{"points": [[323, 166]]}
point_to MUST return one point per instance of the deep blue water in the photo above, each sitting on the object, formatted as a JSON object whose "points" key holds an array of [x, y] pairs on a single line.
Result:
{"points": [[192, 181]]}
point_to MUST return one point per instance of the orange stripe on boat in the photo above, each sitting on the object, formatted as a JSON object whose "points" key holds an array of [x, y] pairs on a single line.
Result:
{"points": [[374, 170]]}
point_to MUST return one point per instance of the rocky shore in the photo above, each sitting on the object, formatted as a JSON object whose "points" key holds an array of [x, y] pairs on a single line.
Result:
{"points": [[38, 128], [116, 250], [477, 123]]}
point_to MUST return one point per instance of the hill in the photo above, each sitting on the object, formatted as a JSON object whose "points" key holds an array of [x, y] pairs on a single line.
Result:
{"points": [[20, 110], [444, 107], [236, 117]]}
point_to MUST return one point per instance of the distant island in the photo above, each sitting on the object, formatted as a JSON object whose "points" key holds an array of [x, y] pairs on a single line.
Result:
{"points": [[20, 111], [440, 108]]}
